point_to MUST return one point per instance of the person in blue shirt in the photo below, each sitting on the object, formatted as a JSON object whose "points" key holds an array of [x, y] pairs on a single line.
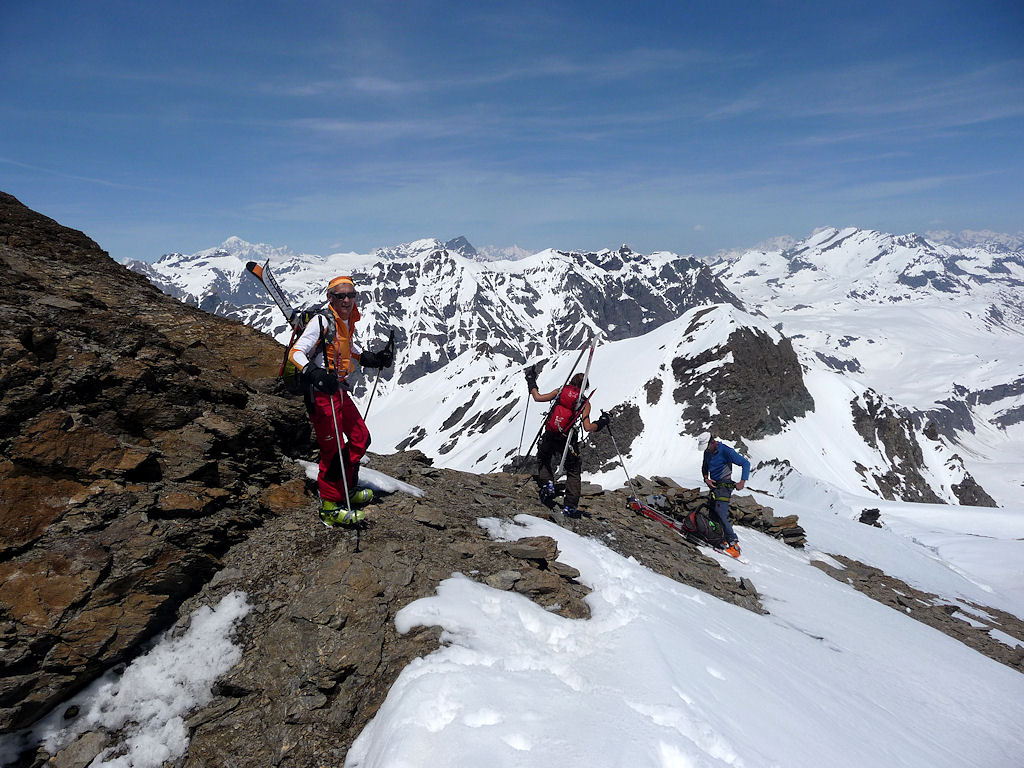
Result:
{"points": [[719, 459]]}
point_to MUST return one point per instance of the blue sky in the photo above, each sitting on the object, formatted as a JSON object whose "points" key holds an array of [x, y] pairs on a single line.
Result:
{"points": [[683, 126]]}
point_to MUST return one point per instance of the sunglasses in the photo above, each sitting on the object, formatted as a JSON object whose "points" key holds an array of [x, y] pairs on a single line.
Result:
{"points": [[345, 295]]}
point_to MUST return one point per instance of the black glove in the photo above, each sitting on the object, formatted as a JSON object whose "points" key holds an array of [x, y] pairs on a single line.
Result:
{"points": [[385, 358], [320, 379], [382, 359], [531, 378], [603, 422]]}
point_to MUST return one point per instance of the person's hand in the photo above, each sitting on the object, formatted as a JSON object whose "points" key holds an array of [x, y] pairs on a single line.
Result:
{"points": [[321, 379], [709, 481], [531, 378], [386, 357], [603, 421], [740, 484], [381, 359]]}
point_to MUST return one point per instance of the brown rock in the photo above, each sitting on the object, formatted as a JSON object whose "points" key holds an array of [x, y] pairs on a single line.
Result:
{"points": [[30, 503], [533, 548], [286, 497]]}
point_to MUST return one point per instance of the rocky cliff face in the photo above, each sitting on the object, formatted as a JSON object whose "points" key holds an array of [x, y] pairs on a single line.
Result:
{"points": [[755, 392], [137, 439]]}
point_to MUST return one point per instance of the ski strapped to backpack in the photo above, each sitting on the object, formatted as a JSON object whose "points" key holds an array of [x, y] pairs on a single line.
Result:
{"points": [[298, 319], [580, 404], [266, 278]]}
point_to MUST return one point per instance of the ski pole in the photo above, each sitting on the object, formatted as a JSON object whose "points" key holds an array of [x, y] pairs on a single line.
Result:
{"points": [[341, 460], [522, 432], [372, 393], [629, 480], [389, 346]]}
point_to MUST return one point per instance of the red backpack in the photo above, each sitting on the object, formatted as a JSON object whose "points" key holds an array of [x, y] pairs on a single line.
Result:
{"points": [[564, 414]]}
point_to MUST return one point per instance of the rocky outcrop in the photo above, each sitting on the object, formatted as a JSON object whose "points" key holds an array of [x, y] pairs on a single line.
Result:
{"points": [[891, 431], [137, 436], [755, 382]]}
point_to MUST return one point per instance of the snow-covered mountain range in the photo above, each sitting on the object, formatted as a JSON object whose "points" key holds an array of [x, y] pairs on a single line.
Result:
{"points": [[875, 364]]}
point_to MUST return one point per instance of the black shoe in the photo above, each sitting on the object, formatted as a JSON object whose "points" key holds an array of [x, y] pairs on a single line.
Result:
{"points": [[572, 512]]}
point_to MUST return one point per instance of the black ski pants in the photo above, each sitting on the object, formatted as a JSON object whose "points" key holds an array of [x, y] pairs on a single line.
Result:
{"points": [[549, 453]]}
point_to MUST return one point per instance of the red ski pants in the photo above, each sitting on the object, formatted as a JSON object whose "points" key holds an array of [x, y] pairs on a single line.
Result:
{"points": [[339, 409]]}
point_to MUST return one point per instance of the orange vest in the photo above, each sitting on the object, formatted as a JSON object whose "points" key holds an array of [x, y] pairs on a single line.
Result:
{"points": [[338, 353]]}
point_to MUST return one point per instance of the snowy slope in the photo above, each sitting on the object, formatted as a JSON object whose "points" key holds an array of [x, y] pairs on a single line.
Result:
{"points": [[663, 675], [938, 329]]}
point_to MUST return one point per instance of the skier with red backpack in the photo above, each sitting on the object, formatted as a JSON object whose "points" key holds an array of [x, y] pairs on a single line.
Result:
{"points": [[572, 409]]}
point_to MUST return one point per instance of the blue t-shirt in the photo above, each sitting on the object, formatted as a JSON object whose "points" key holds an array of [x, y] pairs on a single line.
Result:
{"points": [[719, 464]]}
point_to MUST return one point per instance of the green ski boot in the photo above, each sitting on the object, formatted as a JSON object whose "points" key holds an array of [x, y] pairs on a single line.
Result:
{"points": [[361, 496], [332, 513]]}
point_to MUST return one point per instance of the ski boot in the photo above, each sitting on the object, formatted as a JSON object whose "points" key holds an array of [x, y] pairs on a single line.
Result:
{"points": [[333, 513], [572, 512], [733, 549], [547, 493], [361, 496]]}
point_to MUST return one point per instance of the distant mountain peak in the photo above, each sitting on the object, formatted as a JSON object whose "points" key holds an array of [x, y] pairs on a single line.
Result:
{"points": [[987, 239], [462, 246]]}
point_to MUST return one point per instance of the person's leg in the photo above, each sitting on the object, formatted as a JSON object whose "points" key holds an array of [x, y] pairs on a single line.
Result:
{"points": [[358, 438], [545, 453], [329, 476], [573, 482], [550, 447], [721, 515]]}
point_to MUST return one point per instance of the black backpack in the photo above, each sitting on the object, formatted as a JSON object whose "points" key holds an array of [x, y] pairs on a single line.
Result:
{"points": [[698, 527], [291, 376]]}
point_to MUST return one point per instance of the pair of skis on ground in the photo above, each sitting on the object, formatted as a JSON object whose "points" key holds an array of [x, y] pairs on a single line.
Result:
{"points": [[647, 510]]}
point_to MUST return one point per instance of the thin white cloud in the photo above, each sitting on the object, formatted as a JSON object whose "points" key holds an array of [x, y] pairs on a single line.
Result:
{"points": [[883, 189], [74, 177], [883, 97], [615, 65]]}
